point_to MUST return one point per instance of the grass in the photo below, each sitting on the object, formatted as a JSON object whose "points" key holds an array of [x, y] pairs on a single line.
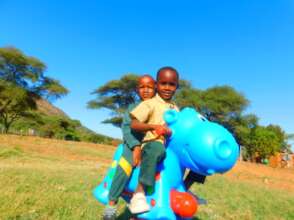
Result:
{"points": [[61, 193], [238, 200], [42, 184], [8, 152]]}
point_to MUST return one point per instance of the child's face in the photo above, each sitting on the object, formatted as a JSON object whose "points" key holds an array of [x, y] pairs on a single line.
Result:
{"points": [[146, 88], [167, 84]]}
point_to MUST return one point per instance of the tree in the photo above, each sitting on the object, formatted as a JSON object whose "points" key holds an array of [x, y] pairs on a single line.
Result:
{"points": [[282, 137], [242, 126], [264, 142], [115, 96], [187, 96], [221, 103], [15, 102], [28, 72]]}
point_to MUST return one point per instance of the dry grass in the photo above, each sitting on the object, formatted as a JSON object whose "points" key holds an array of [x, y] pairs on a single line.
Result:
{"points": [[261, 175]]}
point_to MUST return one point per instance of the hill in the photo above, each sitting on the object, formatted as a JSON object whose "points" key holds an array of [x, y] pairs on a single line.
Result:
{"points": [[48, 109], [50, 121], [44, 178]]}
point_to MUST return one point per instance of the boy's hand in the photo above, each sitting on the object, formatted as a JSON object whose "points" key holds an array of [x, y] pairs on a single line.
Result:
{"points": [[137, 156], [162, 130]]}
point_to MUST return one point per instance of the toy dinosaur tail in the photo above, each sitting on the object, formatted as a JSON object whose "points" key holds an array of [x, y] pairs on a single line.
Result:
{"points": [[102, 190]]}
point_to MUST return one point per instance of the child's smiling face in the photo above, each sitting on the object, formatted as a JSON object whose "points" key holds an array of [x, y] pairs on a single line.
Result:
{"points": [[146, 87], [167, 84]]}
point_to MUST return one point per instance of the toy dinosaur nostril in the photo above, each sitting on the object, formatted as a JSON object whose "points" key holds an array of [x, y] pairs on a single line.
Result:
{"points": [[222, 149]]}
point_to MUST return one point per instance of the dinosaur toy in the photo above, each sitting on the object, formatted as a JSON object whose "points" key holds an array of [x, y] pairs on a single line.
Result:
{"points": [[197, 144]]}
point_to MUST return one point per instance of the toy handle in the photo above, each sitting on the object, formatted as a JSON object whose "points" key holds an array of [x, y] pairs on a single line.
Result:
{"points": [[163, 131]]}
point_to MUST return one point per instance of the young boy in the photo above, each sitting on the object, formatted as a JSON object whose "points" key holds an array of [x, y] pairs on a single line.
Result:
{"points": [[131, 149], [148, 117]]}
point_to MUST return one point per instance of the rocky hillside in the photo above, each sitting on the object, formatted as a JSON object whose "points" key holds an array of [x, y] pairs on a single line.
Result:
{"points": [[48, 109]]}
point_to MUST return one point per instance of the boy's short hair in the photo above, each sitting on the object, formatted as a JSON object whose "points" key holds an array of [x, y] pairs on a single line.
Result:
{"points": [[167, 68]]}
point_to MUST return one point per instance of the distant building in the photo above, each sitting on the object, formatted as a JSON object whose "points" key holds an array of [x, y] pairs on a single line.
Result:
{"points": [[31, 132], [282, 160]]}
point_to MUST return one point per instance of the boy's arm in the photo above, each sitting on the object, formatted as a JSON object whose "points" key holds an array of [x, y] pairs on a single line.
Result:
{"points": [[130, 139], [138, 126]]}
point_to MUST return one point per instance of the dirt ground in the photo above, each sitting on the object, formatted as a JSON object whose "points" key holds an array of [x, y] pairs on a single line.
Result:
{"points": [[278, 178]]}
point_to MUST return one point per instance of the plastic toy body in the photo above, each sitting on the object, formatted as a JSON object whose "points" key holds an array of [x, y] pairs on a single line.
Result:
{"points": [[202, 146]]}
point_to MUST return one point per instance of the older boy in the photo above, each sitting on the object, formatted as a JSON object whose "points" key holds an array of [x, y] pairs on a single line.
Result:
{"points": [[148, 117], [131, 150]]}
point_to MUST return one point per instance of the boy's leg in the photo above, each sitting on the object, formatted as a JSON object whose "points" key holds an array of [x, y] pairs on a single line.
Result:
{"points": [[152, 153], [190, 179], [122, 174], [120, 179], [193, 177]]}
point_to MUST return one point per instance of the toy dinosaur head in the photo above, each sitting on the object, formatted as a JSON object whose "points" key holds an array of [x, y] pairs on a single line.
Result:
{"points": [[202, 146]]}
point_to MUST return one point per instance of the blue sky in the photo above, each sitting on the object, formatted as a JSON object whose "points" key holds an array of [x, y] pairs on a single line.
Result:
{"points": [[247, 44]]}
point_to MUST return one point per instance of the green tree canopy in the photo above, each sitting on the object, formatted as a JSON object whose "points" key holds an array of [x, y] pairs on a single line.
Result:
{"points": [[264, 141], [221, 104], [115, 96], [242, 127], [28, 73], [15, 102], [187, 96], [282, 137]]}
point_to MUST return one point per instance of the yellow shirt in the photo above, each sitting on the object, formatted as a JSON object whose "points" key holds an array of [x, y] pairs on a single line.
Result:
{"points": [[151, 112]]}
